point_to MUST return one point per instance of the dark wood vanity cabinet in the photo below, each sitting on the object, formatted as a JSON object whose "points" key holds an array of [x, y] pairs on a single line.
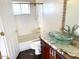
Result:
{"points": [[46, 49], [48, 52], [59, 56]]}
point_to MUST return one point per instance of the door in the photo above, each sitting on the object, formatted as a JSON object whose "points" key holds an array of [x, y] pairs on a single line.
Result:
{"points": [[3, 45]]}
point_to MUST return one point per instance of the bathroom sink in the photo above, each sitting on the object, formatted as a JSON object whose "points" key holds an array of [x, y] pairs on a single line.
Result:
{"points": [[57, 37]]}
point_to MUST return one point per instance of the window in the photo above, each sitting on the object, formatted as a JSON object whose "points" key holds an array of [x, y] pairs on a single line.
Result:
{"points": [[20, 8]]}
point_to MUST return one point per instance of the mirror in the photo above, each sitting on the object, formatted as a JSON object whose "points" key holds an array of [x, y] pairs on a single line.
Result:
{"points": [[47, 16], [70, 14], [27, 14]]}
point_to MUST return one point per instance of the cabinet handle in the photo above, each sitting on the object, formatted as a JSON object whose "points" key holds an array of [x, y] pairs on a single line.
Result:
{"points": [[51, 54], [54, 54]]}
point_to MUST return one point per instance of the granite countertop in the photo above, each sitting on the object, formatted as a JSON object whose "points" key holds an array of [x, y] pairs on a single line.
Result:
{"points": [[69, 49]]}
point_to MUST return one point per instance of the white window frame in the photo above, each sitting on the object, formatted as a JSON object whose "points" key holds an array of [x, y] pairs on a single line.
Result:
{"points": [[20, 9]]}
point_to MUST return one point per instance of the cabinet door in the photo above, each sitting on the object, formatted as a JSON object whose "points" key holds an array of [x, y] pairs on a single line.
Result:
{"points": [[59, 56], [53, 54], [45, 51]]}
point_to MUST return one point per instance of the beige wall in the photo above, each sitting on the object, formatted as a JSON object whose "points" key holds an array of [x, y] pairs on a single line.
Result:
{"points": [[9, 26]]}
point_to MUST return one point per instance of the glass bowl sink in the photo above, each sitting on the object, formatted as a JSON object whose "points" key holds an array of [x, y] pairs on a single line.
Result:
{"points": [[57, 37]]}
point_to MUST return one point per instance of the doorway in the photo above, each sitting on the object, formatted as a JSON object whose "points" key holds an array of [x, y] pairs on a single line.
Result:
{"points": [[3, 44]]}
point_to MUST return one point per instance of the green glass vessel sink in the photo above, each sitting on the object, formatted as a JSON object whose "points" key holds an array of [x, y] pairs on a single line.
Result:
{"points": [[57, 37]]}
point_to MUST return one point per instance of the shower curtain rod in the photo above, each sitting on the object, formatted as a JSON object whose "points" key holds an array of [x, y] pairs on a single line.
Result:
{"points": [[26, 3]]}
